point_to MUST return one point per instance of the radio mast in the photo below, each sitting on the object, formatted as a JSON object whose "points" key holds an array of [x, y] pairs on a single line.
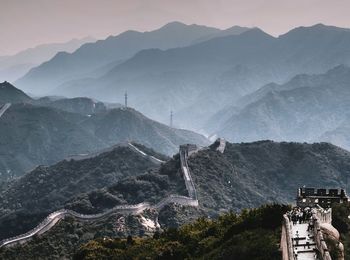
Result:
{"points": [[171, 118]]}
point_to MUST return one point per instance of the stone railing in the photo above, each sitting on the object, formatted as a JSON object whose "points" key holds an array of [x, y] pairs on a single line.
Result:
{"points": [[324, 215], [150, 157], [56, 216], [286, 239], [184, 153], [4, 108], [321, 216]]}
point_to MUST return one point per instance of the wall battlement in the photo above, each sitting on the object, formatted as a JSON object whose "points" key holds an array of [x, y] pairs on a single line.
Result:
{"points": [[310, 197]]}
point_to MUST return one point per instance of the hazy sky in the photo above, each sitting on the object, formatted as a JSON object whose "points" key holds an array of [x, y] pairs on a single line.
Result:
{"points": [[26, 23]]}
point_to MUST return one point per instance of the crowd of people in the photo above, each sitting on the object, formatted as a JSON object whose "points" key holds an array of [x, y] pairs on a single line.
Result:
{"points": [[302, 216], [298, 215]]}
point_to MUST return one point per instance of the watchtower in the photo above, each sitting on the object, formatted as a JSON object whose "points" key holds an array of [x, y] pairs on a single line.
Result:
{"points": [[126, 99], [171, 118], [310, 197]]}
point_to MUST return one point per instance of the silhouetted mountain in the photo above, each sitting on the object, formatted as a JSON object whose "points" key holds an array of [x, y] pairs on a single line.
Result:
{"points": [[234, 30], [182, 77], [10, 94], [304, 109], [217, 72], [92, 56], [16, 66]]}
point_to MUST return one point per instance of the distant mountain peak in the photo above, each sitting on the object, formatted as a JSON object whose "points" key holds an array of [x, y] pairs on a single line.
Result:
{"points": [[174, 24], [320, 27], [182, 26]]}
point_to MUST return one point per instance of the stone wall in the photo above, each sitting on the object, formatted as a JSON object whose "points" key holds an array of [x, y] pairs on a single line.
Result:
{"points": [[286, 239]]}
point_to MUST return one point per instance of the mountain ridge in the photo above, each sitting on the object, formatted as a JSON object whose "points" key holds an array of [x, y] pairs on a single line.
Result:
{"points": [[124, 45], [314, 103], [219, 71]]}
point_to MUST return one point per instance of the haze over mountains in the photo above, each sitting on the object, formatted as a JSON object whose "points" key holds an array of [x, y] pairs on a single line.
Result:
{"points": [[40, 131], [307, 108], [218, 70], [15, 66], [95, 59]]}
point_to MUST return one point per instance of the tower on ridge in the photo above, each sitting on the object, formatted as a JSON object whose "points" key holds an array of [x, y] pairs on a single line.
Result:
{"points": [[171, 118], [126, 99]]}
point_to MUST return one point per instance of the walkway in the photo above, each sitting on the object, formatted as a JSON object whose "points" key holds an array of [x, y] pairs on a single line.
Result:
{"points": [[56, 216], [4, 108], [299, 242]]}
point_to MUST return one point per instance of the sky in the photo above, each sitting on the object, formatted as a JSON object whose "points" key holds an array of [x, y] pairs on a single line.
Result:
{"points": [[27, 23]]}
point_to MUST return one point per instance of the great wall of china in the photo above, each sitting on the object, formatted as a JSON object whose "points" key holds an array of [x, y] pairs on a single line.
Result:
{"points": [[311, 244], [4, 108], [51, 220]]}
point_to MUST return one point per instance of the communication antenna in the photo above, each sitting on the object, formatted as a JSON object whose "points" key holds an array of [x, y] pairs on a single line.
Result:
{"points": [[126, 99], [171, 118]]}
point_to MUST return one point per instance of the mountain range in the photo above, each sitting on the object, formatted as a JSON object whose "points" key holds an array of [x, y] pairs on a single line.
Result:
{"points": [[307, 108], [35, 132], [218, 71], [12, 67], [95, 59]]}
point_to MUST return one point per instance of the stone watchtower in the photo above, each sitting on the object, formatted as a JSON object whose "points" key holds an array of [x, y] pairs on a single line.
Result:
{"points": [[310, 197]]}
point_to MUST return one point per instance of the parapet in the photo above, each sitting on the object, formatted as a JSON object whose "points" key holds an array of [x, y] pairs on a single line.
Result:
{"points": [[309, 197]]}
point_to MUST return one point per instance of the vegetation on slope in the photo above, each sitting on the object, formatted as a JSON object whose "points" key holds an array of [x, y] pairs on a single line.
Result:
{"points": [[152, 186], [46, 189], [65, 238], [251, 174], [31, 135], [254, 234], [341, 221]]}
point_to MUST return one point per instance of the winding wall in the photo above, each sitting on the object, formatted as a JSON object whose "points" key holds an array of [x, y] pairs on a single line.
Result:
{"points": [[4, 108], [52, 219]]}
